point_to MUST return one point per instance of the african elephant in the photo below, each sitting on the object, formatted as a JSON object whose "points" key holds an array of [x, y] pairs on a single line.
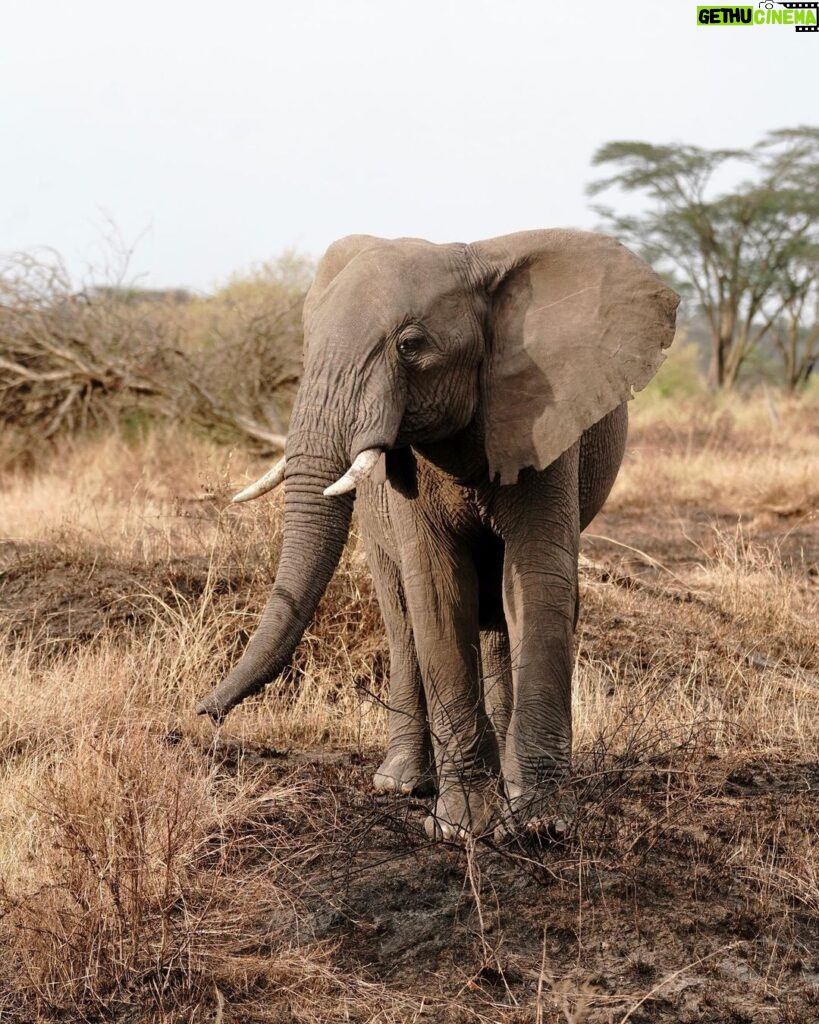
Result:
{"points": [[474, 395]]}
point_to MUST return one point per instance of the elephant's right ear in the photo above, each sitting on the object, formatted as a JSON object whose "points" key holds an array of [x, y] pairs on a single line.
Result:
{"points": [[332, 263], [576, 324]]}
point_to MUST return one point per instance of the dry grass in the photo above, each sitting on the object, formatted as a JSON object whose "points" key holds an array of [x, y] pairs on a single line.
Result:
{"points": [[149, 873]]}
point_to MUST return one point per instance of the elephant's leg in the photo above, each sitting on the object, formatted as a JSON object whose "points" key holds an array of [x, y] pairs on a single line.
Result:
{"points": [[441, 588], [407, 766], [466, 752], [539, 520], [496, 672]]}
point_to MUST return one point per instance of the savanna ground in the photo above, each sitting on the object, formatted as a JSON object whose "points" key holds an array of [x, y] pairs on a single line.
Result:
{"points": [[154, 871]]}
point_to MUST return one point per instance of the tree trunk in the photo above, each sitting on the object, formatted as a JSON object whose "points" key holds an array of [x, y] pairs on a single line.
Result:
{"points": [[716, 368]]}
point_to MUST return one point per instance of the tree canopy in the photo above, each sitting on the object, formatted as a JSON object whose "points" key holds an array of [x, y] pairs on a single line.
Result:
{"points": [[748, 254]]}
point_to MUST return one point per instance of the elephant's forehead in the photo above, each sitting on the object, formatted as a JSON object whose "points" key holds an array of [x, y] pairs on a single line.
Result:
{"points": [[405, 268], [396, 280]]}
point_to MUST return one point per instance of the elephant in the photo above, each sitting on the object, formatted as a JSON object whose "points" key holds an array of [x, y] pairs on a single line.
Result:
{"points": [[473, 397]]}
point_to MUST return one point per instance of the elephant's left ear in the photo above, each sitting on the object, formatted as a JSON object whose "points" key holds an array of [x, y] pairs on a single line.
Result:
{"points": [[577, 323]]}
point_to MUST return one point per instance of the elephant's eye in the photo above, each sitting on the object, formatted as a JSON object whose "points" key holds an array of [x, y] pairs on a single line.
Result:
{"points": [[410, 345]]}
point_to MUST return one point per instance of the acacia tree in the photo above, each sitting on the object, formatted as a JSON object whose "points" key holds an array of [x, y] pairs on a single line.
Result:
{"points": [[795, 333], [789, 158], [738, 251]]}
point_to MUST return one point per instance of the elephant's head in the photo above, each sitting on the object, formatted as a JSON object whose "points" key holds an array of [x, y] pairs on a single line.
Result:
{"points": [[537, 335]]}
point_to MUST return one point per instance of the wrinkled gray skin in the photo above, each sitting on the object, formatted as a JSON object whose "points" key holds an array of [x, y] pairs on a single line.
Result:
{"points": [[494, 377]]}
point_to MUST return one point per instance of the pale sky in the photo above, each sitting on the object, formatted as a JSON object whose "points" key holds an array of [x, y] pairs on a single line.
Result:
{"points": [[220, 134]]}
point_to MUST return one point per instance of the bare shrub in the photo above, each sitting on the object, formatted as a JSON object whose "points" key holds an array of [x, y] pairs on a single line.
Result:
{"points": [[72, 361], [246, 341], [158, 884], [114, 903]]}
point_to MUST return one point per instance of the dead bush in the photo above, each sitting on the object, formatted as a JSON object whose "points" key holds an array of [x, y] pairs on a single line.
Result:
{"points": [[72, 361]]}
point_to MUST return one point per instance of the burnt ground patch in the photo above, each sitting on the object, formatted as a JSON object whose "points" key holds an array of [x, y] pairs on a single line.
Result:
{"points": [[668, 902]]}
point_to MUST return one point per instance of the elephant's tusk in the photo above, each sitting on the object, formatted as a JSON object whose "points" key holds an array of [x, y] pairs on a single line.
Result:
{"points": [[272, 478], [363, 464]]}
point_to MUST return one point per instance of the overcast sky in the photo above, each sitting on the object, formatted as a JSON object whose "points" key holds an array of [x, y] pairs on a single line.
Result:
{"points": [[219, 134]]}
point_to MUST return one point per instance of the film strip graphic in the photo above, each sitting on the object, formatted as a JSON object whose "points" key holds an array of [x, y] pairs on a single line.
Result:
{"points": [[804, 7]]}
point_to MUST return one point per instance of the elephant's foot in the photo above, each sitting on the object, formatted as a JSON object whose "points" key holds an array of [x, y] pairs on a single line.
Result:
{"points": [[540, 813], [461, 810], [404, 771]]}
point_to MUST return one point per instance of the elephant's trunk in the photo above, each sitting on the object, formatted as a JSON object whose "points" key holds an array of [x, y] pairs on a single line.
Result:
{"points": [[328, 430], [315, 530]]}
